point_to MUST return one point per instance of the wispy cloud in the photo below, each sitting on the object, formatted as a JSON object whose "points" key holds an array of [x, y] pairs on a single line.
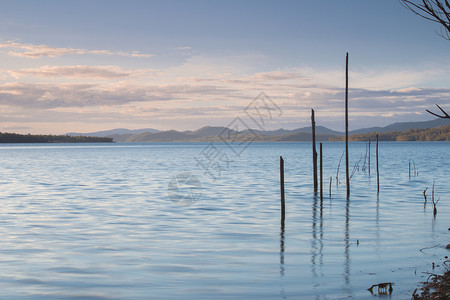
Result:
{"points": [[277, 75], [17, 128], [97, 72], [37, 51], [46, 96]]}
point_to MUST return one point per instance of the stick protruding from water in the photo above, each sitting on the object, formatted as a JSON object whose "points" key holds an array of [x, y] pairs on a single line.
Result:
{"points": [[282, 189]]}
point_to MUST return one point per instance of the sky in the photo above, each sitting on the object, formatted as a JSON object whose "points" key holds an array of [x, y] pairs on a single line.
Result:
{"points": [[85, 66]]}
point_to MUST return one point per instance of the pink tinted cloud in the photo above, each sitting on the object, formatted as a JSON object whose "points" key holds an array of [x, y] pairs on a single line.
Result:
{"points": [[37, 51], [97, 72]]}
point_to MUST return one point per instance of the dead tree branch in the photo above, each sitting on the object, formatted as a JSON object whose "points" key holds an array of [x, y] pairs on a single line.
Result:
{"points": [[437, 11], [445, 116]]}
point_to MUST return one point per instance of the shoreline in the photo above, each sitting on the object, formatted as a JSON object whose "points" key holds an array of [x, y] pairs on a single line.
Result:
{"points": [[438, 288]]}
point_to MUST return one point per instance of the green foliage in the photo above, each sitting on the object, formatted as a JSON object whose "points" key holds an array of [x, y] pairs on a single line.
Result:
{"points": [[29, 138], [430, 134]]}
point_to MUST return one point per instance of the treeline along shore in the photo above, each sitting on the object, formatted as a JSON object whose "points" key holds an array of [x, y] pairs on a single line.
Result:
{"points": [[431, 134], [211, 134], [31, 138]]}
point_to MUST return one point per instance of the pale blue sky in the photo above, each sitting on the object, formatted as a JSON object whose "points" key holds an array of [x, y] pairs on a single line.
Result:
{"points": [[95, 65]]}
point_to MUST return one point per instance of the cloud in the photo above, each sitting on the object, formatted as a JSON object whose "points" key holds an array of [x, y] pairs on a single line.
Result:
{"points": [[277, 76], [48, 96], [211, 92], [37, 51], [97, 72], [17, 128]]}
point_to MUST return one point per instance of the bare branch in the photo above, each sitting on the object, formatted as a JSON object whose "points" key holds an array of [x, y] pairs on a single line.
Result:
{"points": [[445, 116], [433, 10]]}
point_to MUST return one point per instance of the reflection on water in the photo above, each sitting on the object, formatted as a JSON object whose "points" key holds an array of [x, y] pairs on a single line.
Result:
{"points": [[96, 222], [282, 248], [317, 238], [317, 242], [377, 223], [347, 245]]}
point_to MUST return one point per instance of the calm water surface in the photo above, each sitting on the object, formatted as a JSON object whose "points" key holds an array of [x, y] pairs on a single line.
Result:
{"points": [[95, 221]]}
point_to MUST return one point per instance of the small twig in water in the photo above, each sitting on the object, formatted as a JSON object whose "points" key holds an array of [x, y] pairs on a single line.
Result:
{"points": [[339, 165], [434, 207], [432, 193], [365, 159], [431, 275], [356, 167], [434, 202], [426, 248], [331, 180]]}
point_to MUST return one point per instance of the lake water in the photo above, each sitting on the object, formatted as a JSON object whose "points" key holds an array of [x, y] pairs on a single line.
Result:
{"points": [[115, 221]]}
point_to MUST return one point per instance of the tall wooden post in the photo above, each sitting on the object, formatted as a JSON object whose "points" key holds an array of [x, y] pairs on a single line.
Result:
{"points": [[346, 127], [282, 189], [378, 173], [313, 126], [369, 156], [321, 173]]}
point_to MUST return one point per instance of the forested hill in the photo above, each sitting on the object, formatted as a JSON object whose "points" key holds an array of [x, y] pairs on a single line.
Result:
{"points": [[431, 134], [29, 138]]}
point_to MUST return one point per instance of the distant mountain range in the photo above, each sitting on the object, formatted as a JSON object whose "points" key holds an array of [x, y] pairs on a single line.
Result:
{"points": [[211, 133], [113, 132]]}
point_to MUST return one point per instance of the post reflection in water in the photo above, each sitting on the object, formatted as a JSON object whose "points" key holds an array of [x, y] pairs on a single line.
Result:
{"points": [[317, 239], [317, 243], [347, 244], [282, 248], [377, 223]]}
